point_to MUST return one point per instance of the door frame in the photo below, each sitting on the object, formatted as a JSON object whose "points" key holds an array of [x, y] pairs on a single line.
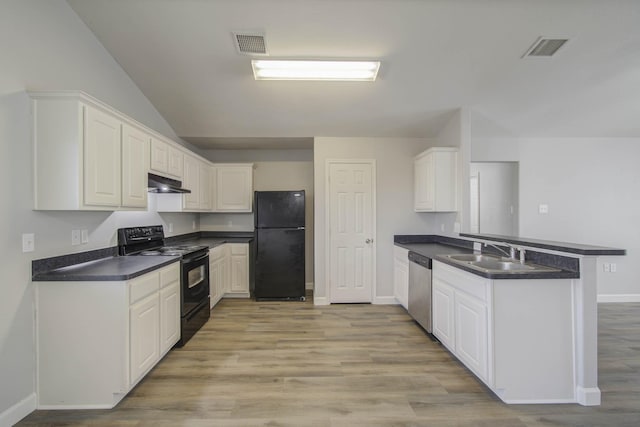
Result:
{"points": [[327, 223]]}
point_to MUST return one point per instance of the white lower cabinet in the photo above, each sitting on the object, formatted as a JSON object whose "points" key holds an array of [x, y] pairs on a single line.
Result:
{"points": [[401, 276], [471, 333], [516, 335], [145, 336], [97, 340], [239, 280], [218, 273], [229, 272], [443, 309]]}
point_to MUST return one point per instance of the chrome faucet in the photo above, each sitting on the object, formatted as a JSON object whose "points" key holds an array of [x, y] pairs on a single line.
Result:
{"points": [[512, 250]]}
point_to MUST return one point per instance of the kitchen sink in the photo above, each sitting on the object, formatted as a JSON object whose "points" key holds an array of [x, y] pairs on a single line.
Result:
{"points": [[496, 264]]}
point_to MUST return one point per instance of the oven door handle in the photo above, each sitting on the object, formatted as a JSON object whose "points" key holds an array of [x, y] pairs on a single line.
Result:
{"points": [[192, 260]]}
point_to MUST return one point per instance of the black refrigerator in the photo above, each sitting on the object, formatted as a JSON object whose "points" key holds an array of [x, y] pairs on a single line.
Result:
{"points": [[279, 245]]}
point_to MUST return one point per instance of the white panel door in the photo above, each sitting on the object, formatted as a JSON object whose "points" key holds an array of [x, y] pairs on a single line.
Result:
{"points": [[135, 167], [101, 159], [351, 231]]}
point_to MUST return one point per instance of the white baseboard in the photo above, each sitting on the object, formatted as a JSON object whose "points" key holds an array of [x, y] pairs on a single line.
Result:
{"points": [[308, 285], [619, 298], [588, 396], [320, 300], [18, 411], [385, 300]]}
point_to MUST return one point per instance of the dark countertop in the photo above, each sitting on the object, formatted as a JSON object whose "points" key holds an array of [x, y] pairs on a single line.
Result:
{"points": [[573, 248], [431, 250], [106, 265], [117, 268], [429, 246]]}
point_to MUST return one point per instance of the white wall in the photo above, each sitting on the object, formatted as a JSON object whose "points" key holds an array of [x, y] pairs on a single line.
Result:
{"points": [[45, 46], [394, 208], [591, 186], [273, 170]]}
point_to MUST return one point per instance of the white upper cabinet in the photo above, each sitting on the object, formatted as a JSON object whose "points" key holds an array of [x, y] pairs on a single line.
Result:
{"points": [[166, 159], [436, 180], [102, 167], [87, 156], [233, 187], [191, 181], [135, 167]]}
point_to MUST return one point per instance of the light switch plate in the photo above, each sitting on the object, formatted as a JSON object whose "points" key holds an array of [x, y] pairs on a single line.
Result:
{"points": [[543, 209], [75, 237], [84, 236], [28, 242]]}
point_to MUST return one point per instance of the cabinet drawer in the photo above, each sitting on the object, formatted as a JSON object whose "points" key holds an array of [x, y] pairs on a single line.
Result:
{"points": [[217, 252], [463, 281], [239, 249], [142, 286], [170, 274]]}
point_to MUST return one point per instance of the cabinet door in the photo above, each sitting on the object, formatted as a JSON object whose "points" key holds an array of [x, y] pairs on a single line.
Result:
{"points": [[443, 314], [144, 336], [191, 181], [401, 281], [214, 281], [234, 188], [176, 162], [135, 166], [239, 282], [169, 316], [102, 150], [159, 156], [471, 333], [424, 183], [205, 198]]}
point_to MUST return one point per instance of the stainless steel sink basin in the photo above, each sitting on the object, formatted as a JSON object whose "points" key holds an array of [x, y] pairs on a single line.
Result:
{"points": [[496, 264], [473, 257]]}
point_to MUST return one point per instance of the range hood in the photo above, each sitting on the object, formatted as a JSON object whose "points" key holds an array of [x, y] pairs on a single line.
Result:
{"points": [[161, 184]]}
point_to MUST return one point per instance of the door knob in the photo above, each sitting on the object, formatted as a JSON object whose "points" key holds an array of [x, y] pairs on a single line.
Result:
{"points": [[368, 241]]}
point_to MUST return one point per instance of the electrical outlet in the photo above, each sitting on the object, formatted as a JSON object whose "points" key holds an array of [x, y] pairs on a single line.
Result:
{"points": [[441, 227], [606, 267], [28, 242], [456, 227], [193, 224], [84, 236], [614, 267], [543, 209], [170, 227], [75, 237], [229, 223]]}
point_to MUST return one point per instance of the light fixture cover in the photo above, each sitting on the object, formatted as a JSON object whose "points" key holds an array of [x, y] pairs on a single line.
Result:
{"points": [[274, 69]]}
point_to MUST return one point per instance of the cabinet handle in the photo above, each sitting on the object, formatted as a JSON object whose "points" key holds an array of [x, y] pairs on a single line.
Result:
{"points": [[368, 241]]}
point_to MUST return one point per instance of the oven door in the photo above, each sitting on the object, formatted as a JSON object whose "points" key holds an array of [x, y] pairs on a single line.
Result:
{"points": [[195, 282]]}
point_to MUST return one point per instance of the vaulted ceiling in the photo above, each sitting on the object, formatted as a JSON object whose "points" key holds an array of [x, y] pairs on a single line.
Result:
{"points": [[437, 56]]}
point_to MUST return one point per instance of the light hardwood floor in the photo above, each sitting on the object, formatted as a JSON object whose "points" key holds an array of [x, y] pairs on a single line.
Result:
{"points": [[293, 364]]}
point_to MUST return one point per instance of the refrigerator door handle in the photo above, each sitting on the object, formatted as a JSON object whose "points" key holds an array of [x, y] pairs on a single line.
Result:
{"points": [[300, 228]]}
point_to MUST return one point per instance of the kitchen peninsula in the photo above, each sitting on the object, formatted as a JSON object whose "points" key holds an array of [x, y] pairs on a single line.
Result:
{"points": [[529, 334]]}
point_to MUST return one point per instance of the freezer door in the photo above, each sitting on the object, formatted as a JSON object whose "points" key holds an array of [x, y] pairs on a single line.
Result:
{"points": [[279, 264], [279, 209]]}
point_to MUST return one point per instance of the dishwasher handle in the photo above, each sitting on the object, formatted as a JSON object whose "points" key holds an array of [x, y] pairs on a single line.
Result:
{"points": [[420, 260]]}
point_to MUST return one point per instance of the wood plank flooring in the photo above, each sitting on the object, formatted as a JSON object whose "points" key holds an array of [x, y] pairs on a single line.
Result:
{"points": [[294, 364]]}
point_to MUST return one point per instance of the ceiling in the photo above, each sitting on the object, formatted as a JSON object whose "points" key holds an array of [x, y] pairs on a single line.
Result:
{"points": [[437, 56]]}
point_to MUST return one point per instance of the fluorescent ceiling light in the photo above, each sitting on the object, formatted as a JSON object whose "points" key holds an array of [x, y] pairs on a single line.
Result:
{"points": [[267, 69]]}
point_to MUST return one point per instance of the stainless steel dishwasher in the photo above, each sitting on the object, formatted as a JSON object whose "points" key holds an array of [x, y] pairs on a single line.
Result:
{"points": [[420, 290]]}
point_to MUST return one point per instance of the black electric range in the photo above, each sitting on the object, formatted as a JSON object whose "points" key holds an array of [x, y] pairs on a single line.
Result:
{"points": [[194, 272]]}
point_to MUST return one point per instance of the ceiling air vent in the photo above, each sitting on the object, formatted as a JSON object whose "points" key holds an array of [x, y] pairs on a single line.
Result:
{"points": [[545, 47], [250, 43]]}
